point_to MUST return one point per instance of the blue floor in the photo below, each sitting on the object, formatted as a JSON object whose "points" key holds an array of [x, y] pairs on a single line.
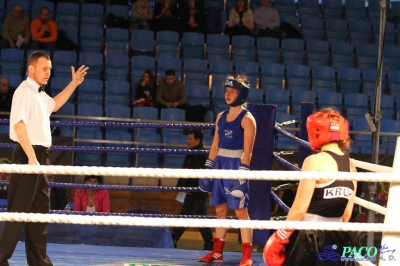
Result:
{"points": [[86, 255]]}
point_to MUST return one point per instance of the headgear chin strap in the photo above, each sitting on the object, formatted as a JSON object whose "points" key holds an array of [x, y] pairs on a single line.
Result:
{"points": [[326, 127], [243, 91]]}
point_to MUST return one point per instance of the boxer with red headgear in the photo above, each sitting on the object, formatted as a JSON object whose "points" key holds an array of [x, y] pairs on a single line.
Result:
{"points": [[322, 200], [232, 148]]}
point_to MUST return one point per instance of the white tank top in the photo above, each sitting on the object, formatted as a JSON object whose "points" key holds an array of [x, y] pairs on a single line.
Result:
{"points": [[90, 209]]}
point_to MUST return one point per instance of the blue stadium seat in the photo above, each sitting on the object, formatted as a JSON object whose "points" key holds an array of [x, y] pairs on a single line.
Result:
{"points": [[369, 81], [142, 42], [62, 62], [118, 159], [332, 8], [272, 76], [57, 84], [174, 160], [285, 7], [323, 78], [117, 110], [355, 9], [387, 106], [280, 98], [195, 71], [67, 13], [147, 159], [217, 47], [37, 6], [360, 31], [68, 109], [117, 67], [86, 136], [268, 50], [12, 61], [292, 51], [117, 92], [308, 8], [167, 44], [298, 77], [317, 52], [92, 14], [312, 28], [192, 45], [367, 55], [198, 94], [356, 105], [349, 80], [300, 96], [336, 29], [342, 54], [91, 91], [243, 48], [117, 41], [91, 39], [145, 113]]}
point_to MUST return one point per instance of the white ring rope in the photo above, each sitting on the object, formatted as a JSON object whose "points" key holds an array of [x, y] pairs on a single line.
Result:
{"points": [[189, 173], [189, 222], [370, 205], [372, 167]]}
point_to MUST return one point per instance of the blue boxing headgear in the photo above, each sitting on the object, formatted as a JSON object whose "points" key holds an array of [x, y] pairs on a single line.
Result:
{"points": [[243, 91]]}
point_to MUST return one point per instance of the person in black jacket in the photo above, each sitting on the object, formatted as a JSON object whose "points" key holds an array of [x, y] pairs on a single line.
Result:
{"points": [[195, 202], [58, 196], [6, 94]]}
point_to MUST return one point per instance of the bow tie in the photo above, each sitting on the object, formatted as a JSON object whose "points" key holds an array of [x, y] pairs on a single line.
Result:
{"points": [[41, 88]]}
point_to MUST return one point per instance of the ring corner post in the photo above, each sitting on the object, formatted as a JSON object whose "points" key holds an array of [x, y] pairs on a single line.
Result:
{"points": [[262, 159], [391, 241]]}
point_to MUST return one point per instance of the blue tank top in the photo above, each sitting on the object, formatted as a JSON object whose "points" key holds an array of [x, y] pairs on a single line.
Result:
{"points": [[231, 133]]}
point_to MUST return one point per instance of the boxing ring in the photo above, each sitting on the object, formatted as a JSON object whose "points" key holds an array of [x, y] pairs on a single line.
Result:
{"points": [[260, 182]]}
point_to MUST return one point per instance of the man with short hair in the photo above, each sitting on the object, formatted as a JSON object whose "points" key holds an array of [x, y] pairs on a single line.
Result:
{"points": [[30, 129], [195, 202], [171, 93], [44, 31], [15, 26]]}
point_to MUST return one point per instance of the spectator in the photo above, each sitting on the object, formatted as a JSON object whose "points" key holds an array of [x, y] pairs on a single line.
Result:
{"points": [[165, 16], [192, 16], [195, 202], [142, 14], [6, 94], [91, 200], [44, 31], [241, 20], [267, 21], [15, 30], [146, 90], [171, 93], [58, 196]]}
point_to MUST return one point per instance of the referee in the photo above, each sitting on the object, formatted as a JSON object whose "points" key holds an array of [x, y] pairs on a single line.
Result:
{"points": [[30, 128]]}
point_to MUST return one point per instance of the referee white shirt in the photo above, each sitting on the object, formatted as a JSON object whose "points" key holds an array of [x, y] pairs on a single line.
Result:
{"points": [[34, 109]]}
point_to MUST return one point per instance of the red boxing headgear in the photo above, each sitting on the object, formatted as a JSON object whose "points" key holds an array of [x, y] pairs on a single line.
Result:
{"points": [[324, 127]]}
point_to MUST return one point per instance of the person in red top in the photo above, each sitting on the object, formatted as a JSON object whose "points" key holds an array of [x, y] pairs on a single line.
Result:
{"points": [[44, 31], [91, 200]]}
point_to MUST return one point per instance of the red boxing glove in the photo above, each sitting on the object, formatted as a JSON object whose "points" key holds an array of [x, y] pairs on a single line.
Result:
{"points": [[273, 254]]}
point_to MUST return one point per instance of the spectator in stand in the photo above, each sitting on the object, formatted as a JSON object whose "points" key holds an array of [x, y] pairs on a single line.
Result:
{"points": [[241, 20], [58, 196], [6, 94], [44, 31], [171, 93], [267, 21], [165, 16], [15, 30], [91, 200], [146, 90], [142, 14], [192, 16], [195, 202]]}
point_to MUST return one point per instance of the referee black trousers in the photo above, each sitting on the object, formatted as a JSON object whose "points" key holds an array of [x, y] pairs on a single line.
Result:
{"points": [[27, 193]]}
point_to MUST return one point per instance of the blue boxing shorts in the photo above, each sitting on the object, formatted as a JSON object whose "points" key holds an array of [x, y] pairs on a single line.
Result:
{"points": [[220, 190]]}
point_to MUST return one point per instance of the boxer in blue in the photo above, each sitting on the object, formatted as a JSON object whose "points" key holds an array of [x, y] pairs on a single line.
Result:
{"points": [[232, 148]]}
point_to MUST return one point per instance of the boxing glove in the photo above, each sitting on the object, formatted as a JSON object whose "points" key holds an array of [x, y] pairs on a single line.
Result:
{"points": [[205, 184], [273, 254], [239, 188]]}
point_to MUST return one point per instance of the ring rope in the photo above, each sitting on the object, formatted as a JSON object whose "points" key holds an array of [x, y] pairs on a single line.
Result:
{"points": [[213, 223], [292, 137], [285, 163], [281, 204], [372, 167], [199, 173], [118, 149], [180, 125]]}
